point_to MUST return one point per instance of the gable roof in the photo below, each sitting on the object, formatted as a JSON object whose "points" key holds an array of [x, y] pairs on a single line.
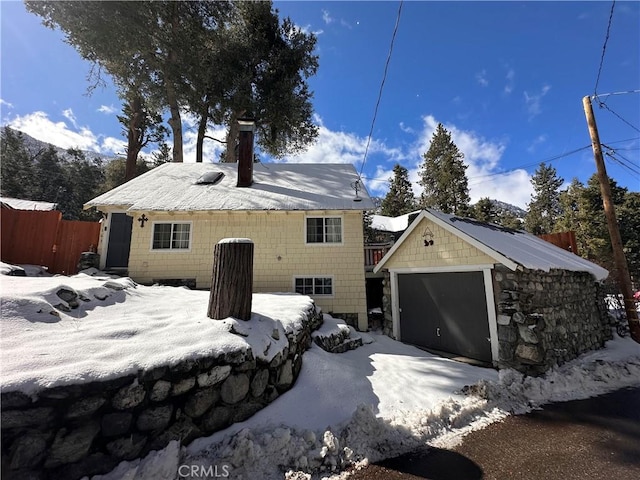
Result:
{"points": [[512, 248], [277, 186], [19, 204], [392, 224]]}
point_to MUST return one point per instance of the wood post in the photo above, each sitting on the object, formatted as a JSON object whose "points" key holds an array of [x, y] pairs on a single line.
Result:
{"points": [[232, 279]]}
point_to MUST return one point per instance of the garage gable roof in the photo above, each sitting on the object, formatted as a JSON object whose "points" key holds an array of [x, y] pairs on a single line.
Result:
{"points": [[512, 248]]}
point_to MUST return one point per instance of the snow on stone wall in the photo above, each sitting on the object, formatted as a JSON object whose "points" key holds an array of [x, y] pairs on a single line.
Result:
{"points": [[86, 429]]}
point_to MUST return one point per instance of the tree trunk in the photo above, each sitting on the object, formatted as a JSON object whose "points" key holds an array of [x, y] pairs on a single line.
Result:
{"points": [[231, 280], [134, 144], [232, 139], [202, 130], [175, 122]]}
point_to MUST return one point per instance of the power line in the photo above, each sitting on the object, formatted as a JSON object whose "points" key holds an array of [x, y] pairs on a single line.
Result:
{"points": [[384, 77], [604, 47], [631, 171], [602, 104]]}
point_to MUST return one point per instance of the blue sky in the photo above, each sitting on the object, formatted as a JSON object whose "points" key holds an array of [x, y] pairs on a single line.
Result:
{"points": [[506, 78]]}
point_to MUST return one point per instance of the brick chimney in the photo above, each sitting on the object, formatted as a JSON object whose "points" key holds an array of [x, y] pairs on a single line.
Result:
{"points": [[245, 152]]}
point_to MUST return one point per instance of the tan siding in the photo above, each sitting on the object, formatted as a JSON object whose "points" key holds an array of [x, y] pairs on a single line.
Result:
{"points": [[280, 253], [447, 250]]}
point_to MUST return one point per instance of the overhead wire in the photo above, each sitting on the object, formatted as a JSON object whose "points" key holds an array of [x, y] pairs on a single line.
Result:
{"points": [[384, 78], [604, 48]]}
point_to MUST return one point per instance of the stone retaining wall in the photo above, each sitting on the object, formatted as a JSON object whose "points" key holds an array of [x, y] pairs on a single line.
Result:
{"points": [[546, 319], [77, 430]]}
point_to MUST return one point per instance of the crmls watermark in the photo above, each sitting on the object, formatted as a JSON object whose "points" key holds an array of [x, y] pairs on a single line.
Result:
{"points": [[204, 471]]}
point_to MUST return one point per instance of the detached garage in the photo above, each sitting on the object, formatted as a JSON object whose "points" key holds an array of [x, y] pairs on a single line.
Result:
{"points": [[492, 294]]}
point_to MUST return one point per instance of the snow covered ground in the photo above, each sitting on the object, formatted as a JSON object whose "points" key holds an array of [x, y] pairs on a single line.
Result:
{"points": [[378, 401]]}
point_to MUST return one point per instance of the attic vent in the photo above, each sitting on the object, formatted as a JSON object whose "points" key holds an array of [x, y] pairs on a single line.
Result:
{"points": [[209, 178]]}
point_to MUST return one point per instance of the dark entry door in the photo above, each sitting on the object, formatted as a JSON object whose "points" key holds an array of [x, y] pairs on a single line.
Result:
{"points": [[445, 311], [119, 241]]}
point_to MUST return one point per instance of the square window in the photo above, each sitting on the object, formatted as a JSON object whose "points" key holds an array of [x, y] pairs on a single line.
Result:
{"points": [[314, 285], [324, 230], [171, 236]]}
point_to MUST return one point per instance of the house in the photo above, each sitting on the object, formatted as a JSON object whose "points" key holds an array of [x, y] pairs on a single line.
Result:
{"points": [[19, 204], [306, 221], [489, 293]]}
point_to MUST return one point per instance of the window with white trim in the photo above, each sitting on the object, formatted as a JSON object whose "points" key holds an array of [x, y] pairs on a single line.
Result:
{"points": [[324, 230], [171, 236], [314, 285]]}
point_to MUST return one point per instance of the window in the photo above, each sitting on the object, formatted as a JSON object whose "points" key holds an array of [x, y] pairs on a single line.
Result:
{"points": [[171, 236], [324, 230], [314, 285]]}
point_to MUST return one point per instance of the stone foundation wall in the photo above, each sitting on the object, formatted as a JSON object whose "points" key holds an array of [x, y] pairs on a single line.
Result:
{"points": [[387, 322], [72, 431], [546, 319]]}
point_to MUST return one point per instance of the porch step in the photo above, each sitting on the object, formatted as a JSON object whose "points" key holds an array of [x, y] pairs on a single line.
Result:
{"points": [[335, 336]]}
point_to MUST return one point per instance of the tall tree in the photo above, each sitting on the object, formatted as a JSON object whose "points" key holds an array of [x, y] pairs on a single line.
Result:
{"points": [[484, 211], [399, 199], [544, 209], [443, 176], [16, 167]]}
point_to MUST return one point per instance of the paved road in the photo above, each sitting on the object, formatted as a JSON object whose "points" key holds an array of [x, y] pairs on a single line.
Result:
{"points": [[596, 438]]}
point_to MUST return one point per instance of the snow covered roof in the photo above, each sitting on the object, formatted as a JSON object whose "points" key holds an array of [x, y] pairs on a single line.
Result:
{"points": [[278, 186], [510, 247], [392, 224], [19, 204]]}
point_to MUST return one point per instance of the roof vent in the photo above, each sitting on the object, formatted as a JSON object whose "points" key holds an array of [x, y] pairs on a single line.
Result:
{"points": [[209, 178]]}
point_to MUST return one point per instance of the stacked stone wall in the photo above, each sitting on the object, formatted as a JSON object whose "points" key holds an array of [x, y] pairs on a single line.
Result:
{"points": [[86, 429], [547, 318]]}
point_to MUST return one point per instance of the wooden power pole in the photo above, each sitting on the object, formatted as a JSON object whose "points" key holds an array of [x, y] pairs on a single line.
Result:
{"points": [[624, 279]]}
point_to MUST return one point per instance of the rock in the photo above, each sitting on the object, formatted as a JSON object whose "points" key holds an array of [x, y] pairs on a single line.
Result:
{"points": [[128, 397], [201, 401], [114, 424], [160, 391], [245, 410], [183, 430], [28, 451], [71, 446], [26, 418], [93, 464], [529, 354], [183, 386], [85, 407], [285, 375], [259, 382], [507, 334], [246, 366], [14, 399], [156, 418], [235, 388], [504, 319], [153, 374], [69, 296], [527, 334], [127, 448], [518, 317], [213, 376], [216, 419]]}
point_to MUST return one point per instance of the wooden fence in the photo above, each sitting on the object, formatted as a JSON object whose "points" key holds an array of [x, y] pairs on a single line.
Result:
{"points": [[44, 238], [564, 240]]}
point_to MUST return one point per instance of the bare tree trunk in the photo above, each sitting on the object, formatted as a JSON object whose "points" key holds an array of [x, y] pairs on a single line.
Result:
{"points": [[232, 139], [202, 130], [175, 121], [232, 279], [134, 138]]}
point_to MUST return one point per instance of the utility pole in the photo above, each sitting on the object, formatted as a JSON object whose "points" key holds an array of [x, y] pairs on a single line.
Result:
{"points": [[624, 279]]}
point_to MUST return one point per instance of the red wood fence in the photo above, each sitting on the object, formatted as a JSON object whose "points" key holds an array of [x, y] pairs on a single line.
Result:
{"points": [[43, 238], [564, 240]]}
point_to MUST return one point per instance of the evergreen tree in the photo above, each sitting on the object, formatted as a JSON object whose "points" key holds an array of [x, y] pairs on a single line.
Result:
{"points": [[509, 220], [629, 220], [485, 211], [544, 209], [443, 176], [399, 200], [16, 167], [84, 178]]}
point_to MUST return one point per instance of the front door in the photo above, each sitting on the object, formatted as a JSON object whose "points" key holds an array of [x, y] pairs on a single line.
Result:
{"points": [[445, 311], [119, 241]]}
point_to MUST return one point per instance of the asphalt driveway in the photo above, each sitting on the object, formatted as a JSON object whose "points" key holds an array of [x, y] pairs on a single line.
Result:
{"points": [[595, 438]]}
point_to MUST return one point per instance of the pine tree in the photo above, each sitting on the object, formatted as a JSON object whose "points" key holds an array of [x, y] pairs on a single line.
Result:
{"points": [[443, 176], [16, 167], [484, 211], [544, 209], [399, 200]]}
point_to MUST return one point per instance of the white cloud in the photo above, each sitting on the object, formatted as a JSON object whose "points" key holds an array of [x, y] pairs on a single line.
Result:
{"points": [[534, 100], [326, 17], [539, 140], [68, 114], [510, 78], [41, 127], [481, 77], [406, 129], [306, 29], [107, 109], [5, 103]]}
